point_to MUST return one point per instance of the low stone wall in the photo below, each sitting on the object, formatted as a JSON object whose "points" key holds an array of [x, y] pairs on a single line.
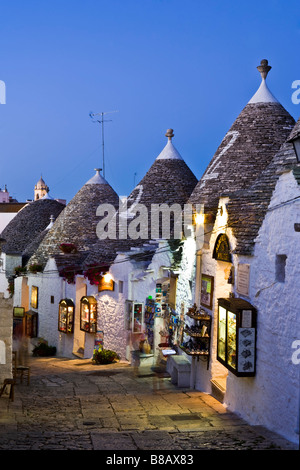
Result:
{"points": [[6, 322]]}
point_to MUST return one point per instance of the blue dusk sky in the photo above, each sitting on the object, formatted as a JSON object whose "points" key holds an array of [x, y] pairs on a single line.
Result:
{"points": [[188, 65]]}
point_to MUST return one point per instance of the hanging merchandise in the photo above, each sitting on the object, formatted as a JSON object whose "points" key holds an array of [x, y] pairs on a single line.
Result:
{"points": [[161, 298], [149, 320], [195, 339]]}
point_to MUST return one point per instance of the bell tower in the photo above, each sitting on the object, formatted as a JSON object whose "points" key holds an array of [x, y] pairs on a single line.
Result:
{"points": [[40, 189]]}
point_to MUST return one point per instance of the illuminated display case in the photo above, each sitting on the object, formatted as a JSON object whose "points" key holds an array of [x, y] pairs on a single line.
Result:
{"points": [[66, 316], [237, 336], [88, 314], [34, 297]]}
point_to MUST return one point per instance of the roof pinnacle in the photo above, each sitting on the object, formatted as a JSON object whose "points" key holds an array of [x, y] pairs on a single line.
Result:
{"points": [[264, 68], [169, 134]]}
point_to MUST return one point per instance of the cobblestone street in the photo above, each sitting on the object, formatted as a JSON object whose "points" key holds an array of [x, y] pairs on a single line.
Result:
{"points": [[75, 405]]}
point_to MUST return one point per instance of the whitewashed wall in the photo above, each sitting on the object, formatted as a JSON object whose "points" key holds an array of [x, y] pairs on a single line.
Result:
{"points": [[8, 263], [271, 397], [3, 279]]}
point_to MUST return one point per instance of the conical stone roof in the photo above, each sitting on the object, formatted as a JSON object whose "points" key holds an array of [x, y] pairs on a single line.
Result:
{"points": [[28, 223], [247, 148], [247, 209], [77, 223], [168, 181]]}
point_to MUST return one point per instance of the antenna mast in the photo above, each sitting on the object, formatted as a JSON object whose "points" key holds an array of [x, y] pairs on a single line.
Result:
{"points": [[102, 121]]}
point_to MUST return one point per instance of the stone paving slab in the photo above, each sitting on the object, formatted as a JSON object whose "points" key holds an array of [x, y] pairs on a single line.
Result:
{"points": [[75, 405]]}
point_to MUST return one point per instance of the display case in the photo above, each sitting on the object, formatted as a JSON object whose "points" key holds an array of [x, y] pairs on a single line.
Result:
{"points": [[31, 324], [134, 319], [66, 316], [236, 336], [88, 314], [196, 334]]}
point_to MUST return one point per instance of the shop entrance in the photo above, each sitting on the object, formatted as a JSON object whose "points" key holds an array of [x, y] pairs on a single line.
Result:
{"points": [[155, 323]]}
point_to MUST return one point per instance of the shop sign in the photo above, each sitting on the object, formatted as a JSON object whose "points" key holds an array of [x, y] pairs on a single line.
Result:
{"points": [[105, 284], [19, 312], [222, 249], [207, 290]]}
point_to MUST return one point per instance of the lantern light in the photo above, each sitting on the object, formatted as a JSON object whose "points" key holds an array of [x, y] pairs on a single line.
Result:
{"points": [[107, 277], [199, 218], [296, 144]]}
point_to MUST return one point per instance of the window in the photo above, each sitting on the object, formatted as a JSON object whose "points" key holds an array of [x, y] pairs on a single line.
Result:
{"points": [[34, 296], [66, 316], [88, 314], [52, 299], [280, 263], [120, 287]]}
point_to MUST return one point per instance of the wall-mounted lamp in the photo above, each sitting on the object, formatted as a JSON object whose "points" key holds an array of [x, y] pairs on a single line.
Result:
{"points": [[107, 277], [295, 140], [199, 218]]}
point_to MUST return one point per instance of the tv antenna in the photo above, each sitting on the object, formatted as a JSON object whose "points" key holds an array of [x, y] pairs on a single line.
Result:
{"points": [[102, 121]]}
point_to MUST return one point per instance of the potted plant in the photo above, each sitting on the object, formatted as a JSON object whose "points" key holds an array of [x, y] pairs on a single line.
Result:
{"points": [[104, 356], [35, 268], [43, 350], [19, 270]]}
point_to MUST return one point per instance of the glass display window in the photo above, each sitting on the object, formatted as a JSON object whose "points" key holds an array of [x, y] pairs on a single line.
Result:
{"points": [[134, 319], [88, 314], [34, 297], [66, 316], [237, 336], [222, 333]]}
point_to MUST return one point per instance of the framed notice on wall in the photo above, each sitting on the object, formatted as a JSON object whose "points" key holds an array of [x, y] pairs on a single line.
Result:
{"points": [[207, 290], [243, 276]]}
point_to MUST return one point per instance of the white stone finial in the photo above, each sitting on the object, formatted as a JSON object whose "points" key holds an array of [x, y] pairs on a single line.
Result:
{"points": [[97, 178]]}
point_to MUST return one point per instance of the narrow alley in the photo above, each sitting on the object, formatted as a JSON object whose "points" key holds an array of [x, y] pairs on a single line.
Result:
{"points": [[76, 405]]}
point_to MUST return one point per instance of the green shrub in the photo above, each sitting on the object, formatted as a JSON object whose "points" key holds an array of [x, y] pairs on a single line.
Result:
{"points": [[42, 349], [105, 356]]}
